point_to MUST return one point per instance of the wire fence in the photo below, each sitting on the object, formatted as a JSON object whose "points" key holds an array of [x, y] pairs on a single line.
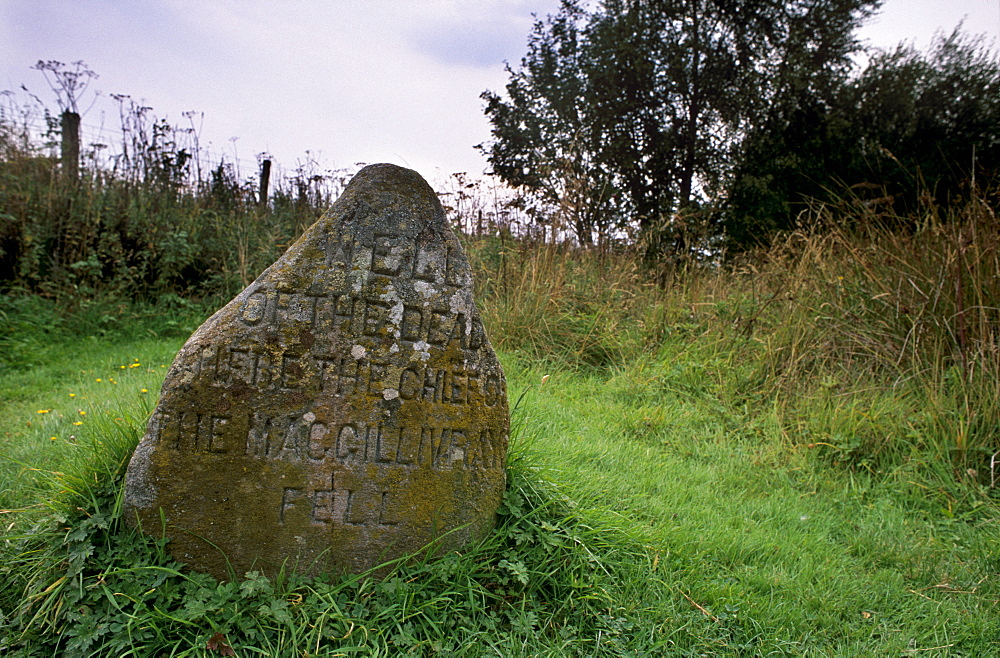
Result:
{"points": [[106, 137], [136, 144]]}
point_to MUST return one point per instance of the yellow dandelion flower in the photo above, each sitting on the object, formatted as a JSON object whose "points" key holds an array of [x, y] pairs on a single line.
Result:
{"points": [[52, 438], [44, 411], [83, 413], [122, 367], [72, 395], [98, 379], [79, 422], [144, 391]]}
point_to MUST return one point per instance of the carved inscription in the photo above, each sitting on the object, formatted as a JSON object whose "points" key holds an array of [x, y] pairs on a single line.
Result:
{"points": [[363, 316], [348, 502], [425, 446], [193, 432], [347, 374], [391, 258], [391, 255], [306, 439], [360, 319], [349, 394]]}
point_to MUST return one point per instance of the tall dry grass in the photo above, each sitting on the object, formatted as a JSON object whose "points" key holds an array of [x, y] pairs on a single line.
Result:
{"points": [[874, 346], [868, 319], [566, 305]]}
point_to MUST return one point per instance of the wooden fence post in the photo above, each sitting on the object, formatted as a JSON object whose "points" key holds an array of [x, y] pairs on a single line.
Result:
{"points": [[71, 146], [265, 178]]}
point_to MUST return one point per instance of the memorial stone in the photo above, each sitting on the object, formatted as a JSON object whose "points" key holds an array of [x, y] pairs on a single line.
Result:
{"points": [[344, 410]]}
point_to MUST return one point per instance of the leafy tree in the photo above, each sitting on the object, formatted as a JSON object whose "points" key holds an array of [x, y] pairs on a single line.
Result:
{"points": [[796, 154], [928, 118], [630, 115], [540, 137], [908, 127]]}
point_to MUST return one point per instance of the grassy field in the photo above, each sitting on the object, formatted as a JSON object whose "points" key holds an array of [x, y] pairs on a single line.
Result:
{"points": [[792, 458]]}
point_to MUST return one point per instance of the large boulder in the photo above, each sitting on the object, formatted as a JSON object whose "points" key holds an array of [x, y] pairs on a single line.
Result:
{"points": [[344, 410]]}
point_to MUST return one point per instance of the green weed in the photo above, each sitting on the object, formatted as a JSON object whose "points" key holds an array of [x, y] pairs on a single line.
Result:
{"points": [[84, 584]]}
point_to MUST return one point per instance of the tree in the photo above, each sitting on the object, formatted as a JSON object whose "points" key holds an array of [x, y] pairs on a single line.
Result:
{"points": [[929, 120], [907, 125], [649, 100], [540, 141]]}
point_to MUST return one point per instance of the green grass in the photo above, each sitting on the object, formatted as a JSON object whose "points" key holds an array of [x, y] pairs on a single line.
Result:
{"points": [[788, 458], [791, 453], [60, 371], [675, 524], [782, 553], [77, 581]]}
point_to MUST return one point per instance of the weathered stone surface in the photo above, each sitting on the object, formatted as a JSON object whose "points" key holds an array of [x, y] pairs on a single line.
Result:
{"points": [[343, 410]]}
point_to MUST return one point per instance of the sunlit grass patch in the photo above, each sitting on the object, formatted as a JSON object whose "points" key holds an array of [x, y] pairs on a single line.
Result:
{"points": [[73, 389]]}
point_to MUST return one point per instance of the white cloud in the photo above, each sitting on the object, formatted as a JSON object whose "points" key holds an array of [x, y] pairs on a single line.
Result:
{"points": [[354, 80]]}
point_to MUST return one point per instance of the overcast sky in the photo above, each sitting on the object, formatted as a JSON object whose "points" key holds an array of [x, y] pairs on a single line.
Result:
{"points": [[348, 80]]}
